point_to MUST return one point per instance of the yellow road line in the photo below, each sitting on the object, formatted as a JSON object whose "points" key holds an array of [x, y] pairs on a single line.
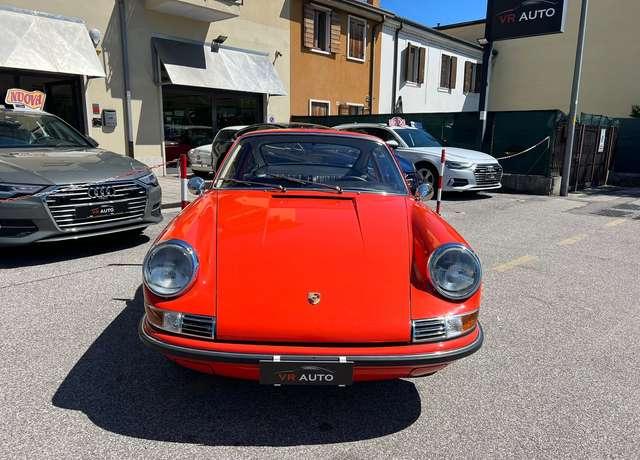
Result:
{"points": [[615, 222], [572, 239], [514, 263]]}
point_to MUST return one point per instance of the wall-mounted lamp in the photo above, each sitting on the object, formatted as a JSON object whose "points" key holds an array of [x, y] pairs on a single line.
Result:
{"points": [[95, 36], [215, 44]]}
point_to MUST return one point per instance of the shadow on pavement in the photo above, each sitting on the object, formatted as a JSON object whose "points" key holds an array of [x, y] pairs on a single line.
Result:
{"points": [[127, 389], [46, 253], [464, 196]]}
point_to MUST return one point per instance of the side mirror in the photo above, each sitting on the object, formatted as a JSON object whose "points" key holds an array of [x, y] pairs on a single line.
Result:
{"points": [[92, 141], [393, 144], [424, 192], [196, 185]]}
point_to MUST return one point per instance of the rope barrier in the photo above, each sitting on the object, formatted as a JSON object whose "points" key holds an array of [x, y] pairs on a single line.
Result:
{"points": [[512, 155]]}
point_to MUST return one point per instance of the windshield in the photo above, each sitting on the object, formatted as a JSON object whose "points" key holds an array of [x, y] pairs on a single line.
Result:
{"points": [[417, 138], [24, 130], [320, 162]]}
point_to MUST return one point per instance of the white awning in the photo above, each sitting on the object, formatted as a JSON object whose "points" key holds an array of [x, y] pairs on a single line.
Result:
{"points": [[192, 64], [32, 40]]}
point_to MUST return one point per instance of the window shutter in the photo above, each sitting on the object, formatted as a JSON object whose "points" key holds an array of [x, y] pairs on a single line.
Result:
{"points": [[468, 77], [336, 30], [421, 64], [411, 57], [478, 83], [404, 65], [309, 26], [445, 71], [454, 72]]}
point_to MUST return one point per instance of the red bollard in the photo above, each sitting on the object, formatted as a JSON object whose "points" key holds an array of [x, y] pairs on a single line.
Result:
{"points": [[183, 180], [440, 180]]}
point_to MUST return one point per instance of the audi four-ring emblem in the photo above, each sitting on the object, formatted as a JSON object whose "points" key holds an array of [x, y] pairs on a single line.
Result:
{"points": [[101, 192]]}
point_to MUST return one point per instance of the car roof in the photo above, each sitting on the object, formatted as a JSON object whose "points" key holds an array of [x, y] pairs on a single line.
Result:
{"points": [[324, 132], [372, 125], [234, 128]]}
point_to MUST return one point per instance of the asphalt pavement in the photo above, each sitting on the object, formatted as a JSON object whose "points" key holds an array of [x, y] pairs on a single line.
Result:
{"points": [[557, 377]]}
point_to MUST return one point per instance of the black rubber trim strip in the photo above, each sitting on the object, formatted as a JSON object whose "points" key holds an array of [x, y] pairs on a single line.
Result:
{"points": [[251, 358]]}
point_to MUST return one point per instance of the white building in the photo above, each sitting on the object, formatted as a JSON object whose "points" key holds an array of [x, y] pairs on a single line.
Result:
{"points": [[434, 72]]}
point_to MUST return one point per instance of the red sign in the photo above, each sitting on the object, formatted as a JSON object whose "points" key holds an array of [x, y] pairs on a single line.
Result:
{"points": [[21, 98]]}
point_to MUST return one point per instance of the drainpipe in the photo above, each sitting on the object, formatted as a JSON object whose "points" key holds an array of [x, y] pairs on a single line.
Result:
{"points": [[394, 90], [124, 40]]}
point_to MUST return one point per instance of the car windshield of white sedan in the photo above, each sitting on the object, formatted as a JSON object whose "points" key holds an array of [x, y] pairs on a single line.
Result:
{"points": [[417, 138], [312, 162], [28, 130]]}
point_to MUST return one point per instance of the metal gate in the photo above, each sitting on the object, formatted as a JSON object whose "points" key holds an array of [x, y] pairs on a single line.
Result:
{"points": [[592, 153]]}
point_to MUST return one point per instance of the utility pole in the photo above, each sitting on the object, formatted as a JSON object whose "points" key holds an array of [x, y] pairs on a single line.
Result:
{"points": [[487, 44], [575, 93]]}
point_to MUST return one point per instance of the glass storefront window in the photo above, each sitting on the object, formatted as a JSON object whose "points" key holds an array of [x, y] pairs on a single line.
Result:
{"points": [[192, 117]]}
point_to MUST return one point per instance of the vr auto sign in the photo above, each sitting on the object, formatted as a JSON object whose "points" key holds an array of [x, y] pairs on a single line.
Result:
{"points": [[525, 18]]}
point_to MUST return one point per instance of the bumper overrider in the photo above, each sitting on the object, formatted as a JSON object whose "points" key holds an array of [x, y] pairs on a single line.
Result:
{"points": [[369, 363]]}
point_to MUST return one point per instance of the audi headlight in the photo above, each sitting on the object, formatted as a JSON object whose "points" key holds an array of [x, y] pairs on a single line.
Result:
{"points": [[149, 179], [458, 164], [455, 271], [170, 268], [16, 190]]}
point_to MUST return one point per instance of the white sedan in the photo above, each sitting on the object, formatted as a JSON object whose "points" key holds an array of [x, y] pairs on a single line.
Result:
{"points": [[203, 159], [465, 170]]}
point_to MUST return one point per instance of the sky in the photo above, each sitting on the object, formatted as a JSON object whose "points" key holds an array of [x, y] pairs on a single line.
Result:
{"points": [[432, 12]]}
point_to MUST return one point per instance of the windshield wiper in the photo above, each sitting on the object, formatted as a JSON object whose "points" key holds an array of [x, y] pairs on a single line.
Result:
{"points": [[249, 182], [295, 180]]}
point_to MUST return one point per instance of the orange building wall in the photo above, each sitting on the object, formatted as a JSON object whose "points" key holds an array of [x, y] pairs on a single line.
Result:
{"points": [[332, 77]]}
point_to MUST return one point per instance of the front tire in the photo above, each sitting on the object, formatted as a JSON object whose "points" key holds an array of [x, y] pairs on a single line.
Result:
{"points": [[428, 174]]}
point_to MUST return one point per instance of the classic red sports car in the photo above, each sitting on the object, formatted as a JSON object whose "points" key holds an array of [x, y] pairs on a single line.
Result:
{"points": [[308, 261]]}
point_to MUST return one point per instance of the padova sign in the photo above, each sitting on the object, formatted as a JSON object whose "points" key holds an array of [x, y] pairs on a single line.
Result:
{"points": [[525, 18]]}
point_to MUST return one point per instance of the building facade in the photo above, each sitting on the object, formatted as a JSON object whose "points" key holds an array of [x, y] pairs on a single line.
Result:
{"points": [[537, 72], [426, 71], [335, 56], [194, 66]]}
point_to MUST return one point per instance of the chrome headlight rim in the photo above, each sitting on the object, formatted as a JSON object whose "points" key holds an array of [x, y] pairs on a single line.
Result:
{"points": [[439, 252], [188, 250]]}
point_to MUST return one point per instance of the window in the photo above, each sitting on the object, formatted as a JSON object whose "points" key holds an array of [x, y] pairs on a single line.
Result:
{"points": [[319, 108], [472, 77], [322, 29], [417, 137], [357, 39], [414, 63], [352, 109], [306, 161], [448, 72], [384, 135]]}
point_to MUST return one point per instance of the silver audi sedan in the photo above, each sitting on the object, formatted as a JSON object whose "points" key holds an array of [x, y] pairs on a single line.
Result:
{"points": [[55, 184]]}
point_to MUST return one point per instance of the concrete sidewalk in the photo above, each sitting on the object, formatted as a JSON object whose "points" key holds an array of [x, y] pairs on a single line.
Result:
{"points": [[170, 185]]}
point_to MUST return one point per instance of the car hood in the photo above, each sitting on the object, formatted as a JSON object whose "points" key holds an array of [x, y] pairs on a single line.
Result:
{"points": [[58, 166], [274, 250], [453, 154]]}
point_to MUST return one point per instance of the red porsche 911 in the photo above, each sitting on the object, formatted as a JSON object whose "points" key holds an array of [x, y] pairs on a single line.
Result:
{"points": [[309, 261]]}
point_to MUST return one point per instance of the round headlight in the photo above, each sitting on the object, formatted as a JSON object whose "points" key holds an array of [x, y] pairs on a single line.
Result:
{"points": [[455, 271], [170, 268]]}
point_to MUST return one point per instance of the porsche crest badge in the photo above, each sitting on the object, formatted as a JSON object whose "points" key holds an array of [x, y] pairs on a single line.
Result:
{"points": [[313, 298]]}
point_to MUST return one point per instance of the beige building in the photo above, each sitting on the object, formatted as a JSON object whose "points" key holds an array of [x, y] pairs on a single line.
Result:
{"points": [[182, 83], [536, 72]]}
